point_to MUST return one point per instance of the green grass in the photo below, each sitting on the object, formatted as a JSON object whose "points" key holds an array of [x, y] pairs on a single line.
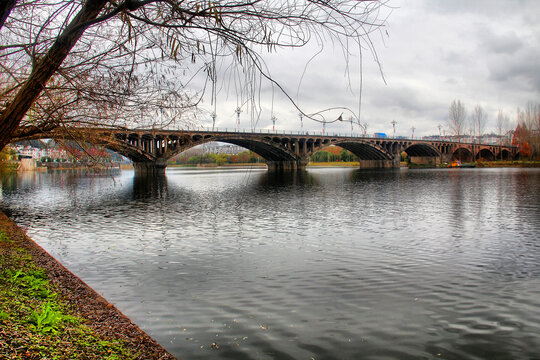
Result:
{"points": [[36, 323]]}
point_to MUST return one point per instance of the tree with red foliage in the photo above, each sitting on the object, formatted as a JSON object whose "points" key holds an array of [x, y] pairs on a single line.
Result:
{"points": [[525, 150]]}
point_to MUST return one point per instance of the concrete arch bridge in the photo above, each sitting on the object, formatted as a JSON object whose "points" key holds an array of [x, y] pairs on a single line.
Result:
{"points": [[150, 149]]}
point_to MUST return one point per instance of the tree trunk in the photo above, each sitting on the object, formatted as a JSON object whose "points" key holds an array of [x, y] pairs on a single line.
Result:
{"points": [[5, 10], [14, 111]]}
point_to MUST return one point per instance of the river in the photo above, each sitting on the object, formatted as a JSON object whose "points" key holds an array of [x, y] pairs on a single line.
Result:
{"points": [[332, 263]]}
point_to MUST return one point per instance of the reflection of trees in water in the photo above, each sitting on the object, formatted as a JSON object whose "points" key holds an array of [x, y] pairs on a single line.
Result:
{"points": [[529, 186], [8, 181], [527, 199], [14, 181]]}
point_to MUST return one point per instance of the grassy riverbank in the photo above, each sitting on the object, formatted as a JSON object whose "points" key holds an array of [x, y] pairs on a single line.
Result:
{"points": [[48, 313], [509, 163]]}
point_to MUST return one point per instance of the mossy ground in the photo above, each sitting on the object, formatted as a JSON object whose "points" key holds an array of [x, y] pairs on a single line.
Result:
{"points": [[35, 323]]}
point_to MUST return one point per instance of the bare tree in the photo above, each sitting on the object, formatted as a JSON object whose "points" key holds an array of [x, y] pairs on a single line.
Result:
{"points": [[478, 120], [502, 124], [471, 128], [110, 63], [457, 115]]}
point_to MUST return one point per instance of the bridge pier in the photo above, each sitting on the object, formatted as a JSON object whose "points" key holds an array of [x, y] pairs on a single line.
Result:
{"points": [[287, 165], [425, 160], [376, 164], [446, 158], [150, 168], [396, 161]]}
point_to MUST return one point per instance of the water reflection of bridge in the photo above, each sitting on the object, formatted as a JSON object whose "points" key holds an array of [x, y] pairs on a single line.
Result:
{"points": [[150, 149]]}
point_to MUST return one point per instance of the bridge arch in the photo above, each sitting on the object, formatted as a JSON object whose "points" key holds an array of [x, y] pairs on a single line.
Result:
{"points": [[422, 150], [504, 155], [131, 152], [147, 147], [369, 154], [462, 154], [364, 150], [270, 149], [134, 147], [485, 154]]}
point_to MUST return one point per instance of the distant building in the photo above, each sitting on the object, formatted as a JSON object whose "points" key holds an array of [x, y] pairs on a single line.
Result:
{"points": [[488, 139], [38, 150], [222, 148]]}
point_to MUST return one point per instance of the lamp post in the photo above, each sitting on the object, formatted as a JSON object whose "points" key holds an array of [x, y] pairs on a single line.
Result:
{"points": [[273, 123], [238, 111], [213, 120], [301, 122], [413, 128], [394, 128]]}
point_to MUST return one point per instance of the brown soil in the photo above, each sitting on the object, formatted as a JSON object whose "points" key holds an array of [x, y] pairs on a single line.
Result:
{"points": [[103, 317]]}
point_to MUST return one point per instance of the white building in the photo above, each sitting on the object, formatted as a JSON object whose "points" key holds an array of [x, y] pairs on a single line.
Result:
{"points": [[38, 154]]}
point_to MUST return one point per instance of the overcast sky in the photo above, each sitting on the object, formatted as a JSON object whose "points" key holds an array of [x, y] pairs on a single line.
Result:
{"points": [[431, 52]]}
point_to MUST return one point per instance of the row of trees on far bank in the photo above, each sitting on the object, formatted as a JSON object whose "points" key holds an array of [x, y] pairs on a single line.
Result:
{"points": [[333, 154], [245, 157], [526, 134]]}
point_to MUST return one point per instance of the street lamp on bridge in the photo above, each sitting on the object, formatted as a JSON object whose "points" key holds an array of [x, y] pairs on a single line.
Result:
{"points": [[238, 111], [394, 128]]}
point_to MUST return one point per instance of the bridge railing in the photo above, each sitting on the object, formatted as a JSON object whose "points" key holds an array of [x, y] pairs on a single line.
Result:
{"points": [[446, 139]]}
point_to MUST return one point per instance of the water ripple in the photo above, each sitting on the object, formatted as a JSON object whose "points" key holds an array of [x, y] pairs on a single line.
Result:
{"points": [[330, 264]]}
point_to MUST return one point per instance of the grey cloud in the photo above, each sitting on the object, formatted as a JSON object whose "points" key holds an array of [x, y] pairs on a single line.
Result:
{"points": [[524, 73], [496, 8], [508, 43], [482, 52], [521, 70]]}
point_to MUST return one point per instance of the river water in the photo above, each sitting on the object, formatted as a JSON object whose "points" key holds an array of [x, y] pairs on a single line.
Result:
{"points": [[326, 264]]}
